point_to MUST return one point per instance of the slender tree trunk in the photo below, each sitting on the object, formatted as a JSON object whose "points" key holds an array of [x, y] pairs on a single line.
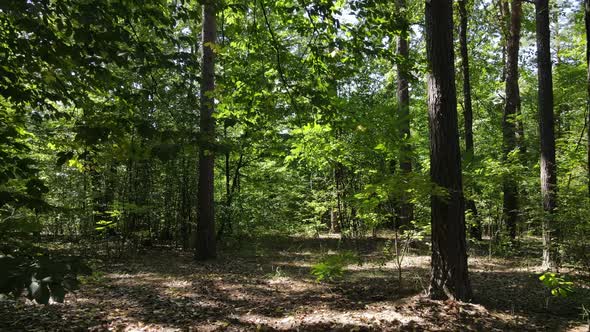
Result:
{"points": [[340, 188], [450, 278], [509, 128], [587, 22], [206, 246], [226, 218], [468, 111], [475, 229], [546, 124], [504, 11], [406, 210]]}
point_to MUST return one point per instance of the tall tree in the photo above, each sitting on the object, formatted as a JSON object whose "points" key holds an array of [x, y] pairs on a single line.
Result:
{"points": [[546, 125], [587, 23], [467, 107], [206, 246], [406, 213], [511, 109], [450, 278]]}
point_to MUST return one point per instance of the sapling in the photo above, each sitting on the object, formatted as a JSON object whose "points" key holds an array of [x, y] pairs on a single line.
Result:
{"points": [[556, 286], [586, 315], [401, 244]]}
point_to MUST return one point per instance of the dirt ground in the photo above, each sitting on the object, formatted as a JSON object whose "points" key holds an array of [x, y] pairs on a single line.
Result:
{"points": [[267, 287]]}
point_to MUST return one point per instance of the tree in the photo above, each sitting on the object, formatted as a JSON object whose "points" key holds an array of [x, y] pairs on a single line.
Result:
{"points": [[467, 108], [450, 277], [403, 100], [206, 246], [587, 24], [546, 126], [511, 110]]}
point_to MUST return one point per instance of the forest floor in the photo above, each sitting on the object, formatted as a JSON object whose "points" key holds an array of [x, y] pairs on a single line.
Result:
{"points": [[268, 286]]}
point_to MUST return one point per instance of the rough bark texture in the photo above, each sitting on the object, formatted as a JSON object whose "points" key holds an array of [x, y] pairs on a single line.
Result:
{"points": [[509, 128], [587, 21], [406, 211], [546, 124], [206, 246], [450, 278], [475, 229]]}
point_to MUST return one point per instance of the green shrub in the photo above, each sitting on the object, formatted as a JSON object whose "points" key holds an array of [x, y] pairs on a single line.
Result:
{"points": [[332, 267], [556, 285], [42, 277]]}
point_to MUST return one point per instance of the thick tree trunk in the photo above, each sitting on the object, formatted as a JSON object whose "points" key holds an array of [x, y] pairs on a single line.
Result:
{"points": [[587, 21], [206, 246], [406, 210], [450, 278], [475, 229], [546, 124], [509, 128]]}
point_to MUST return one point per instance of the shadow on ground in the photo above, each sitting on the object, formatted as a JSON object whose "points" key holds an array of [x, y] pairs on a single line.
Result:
{"points": [[272, 289]]}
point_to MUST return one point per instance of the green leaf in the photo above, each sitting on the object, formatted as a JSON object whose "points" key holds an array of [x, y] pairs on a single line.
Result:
{"points": [[58, 292]]}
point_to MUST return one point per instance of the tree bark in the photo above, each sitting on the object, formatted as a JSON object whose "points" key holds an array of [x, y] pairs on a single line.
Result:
{"points": [[475, 229], [509, 128], [206, 244], [450, 278], [587, 22], [546, 125], [406, 210]]}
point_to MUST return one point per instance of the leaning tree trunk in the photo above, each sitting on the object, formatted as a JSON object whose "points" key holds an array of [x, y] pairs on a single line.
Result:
{"points": [[475, 229], [450, 278], [509, 128], [206, 246], [406, 211], [587, 21], [546, 124]]}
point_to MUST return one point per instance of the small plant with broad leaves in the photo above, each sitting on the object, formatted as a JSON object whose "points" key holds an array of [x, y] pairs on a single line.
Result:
{"points": [[332, 267], [557, 286], [43, 278]]}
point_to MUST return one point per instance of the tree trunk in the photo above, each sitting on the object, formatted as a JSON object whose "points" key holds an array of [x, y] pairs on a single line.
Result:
{"points": [[546, 123], [504, 13], [475, 229], [406, 210], [587, 21], [206, 246], [450, 278], [509, 128], [226, 216]]}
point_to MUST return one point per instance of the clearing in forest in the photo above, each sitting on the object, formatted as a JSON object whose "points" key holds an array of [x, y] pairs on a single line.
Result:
{"points": [[268, 286]]}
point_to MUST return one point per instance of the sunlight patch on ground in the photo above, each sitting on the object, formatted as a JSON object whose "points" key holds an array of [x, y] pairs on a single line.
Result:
{"points": [[127, 275], [390, 265], [500, 265], [366, 319], [175, 283], [141, 327]]}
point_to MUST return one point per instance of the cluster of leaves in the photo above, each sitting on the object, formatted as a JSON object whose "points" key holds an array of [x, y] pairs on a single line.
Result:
{"points": [[43, 277], [331, 267], [19, 184], [558, 286]]}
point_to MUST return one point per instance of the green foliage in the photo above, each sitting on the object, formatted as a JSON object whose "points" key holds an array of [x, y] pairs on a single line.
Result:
{"points": [[43, 277], [331, 267], [557, 286], [98, 131], [586, 313], [575, 246]]}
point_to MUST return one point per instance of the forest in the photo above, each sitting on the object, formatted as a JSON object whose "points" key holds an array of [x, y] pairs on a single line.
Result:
{"points": [[294, 165]]}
